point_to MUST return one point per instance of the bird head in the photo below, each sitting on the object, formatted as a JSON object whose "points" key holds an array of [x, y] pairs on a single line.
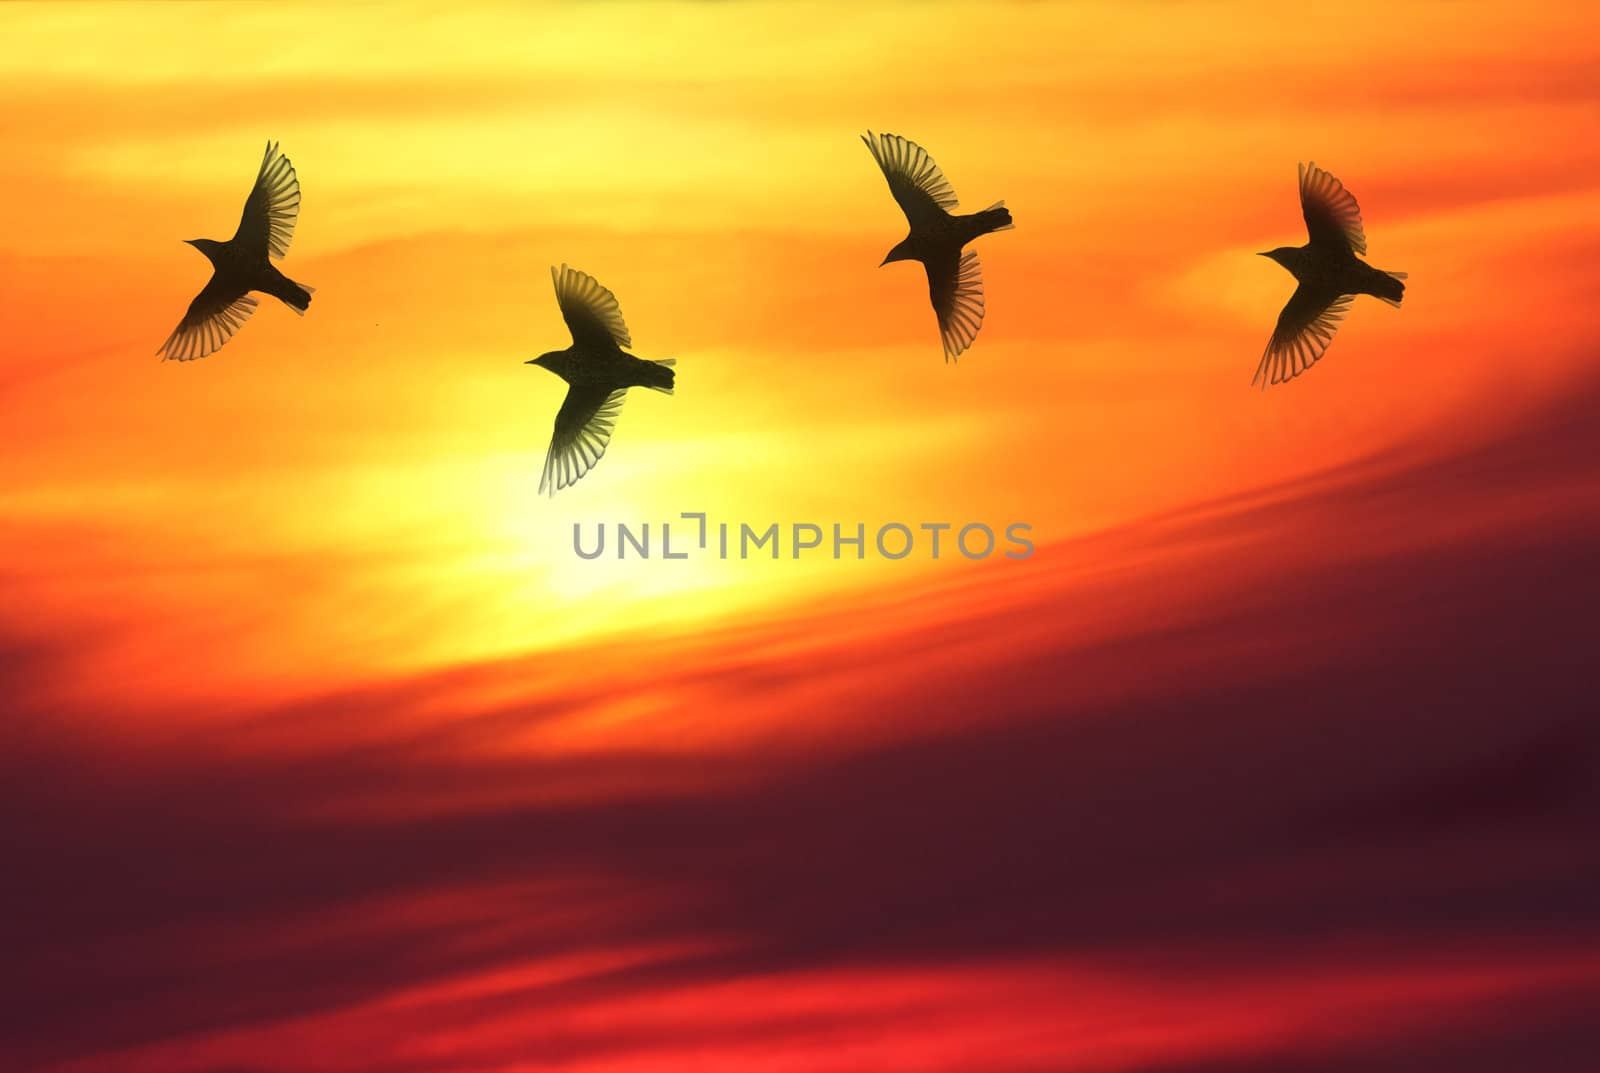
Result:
{"points": [[207, 246], [551, 361], [1287, 256], [899, 253]]}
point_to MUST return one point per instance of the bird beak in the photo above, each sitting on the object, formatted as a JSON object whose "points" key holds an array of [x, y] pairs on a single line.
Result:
{"points": [[192, 242], [1262, 255], [883, 262]]}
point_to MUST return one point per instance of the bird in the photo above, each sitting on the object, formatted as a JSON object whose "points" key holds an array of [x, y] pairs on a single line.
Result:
{"points": [[937, 235], [598, 372], [244, 264], [1330, 275]]}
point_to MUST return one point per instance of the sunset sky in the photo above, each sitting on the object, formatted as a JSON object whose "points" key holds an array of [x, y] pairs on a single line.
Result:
{"points": [[325, 754]]}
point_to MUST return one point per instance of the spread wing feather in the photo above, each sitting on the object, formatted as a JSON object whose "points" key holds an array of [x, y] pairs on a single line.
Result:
{"points": [[590, 310], [582, 432], [955, 285], [916, 182], [214, 315], [1305, 329], [1333, 219], [272, 208]]}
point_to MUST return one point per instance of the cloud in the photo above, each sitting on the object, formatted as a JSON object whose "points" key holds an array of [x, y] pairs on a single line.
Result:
{"points": [[1337, 729]]}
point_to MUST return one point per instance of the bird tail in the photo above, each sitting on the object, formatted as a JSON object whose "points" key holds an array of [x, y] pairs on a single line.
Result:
{"points": [[1389, 287], [658, 375], [995, 218], [297, 296]]}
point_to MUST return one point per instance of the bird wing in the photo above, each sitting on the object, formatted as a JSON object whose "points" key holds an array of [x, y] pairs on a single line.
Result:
{"points": [[270, 212], [1305, 328], [915, 180], [1333, 219], [583, 429], [215, 314], [590, 310], [955, 284]]}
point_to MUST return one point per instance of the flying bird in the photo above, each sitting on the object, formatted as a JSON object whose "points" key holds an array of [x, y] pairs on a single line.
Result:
{"points": [[244, 264], [955, 282], [598, 373], [1330, 276]]}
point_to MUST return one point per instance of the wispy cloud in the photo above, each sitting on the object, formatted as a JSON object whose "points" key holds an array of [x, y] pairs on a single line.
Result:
{"points": [[320, 753], [1090, 819]]}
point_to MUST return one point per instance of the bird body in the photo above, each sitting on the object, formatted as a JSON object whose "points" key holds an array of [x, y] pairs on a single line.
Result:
{"points": [[238, 269], [1329, 275], [1334, 275], [582, 367], [243, 264], [937, 236], [943, 236], [598, 372]]}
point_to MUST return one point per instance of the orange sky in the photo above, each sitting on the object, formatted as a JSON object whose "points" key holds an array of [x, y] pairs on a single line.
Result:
{"points": [[341, 509], [703, 161]]}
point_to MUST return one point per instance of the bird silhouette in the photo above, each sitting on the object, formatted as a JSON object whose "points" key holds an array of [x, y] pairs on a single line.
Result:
{"points": [[1330, 276], [598, 373], [244, 264], [955, 281]]}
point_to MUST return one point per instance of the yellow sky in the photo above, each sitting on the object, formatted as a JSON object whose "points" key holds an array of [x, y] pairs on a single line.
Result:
{"points": [[378, 459], [327, 753]]}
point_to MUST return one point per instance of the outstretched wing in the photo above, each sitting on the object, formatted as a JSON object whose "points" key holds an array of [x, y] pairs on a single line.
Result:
{"points": [[215, 314], [955, 284], [590, 310], [1333, 219], [1305, 328], [915, 180], [272, 208], [583, 429]]}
